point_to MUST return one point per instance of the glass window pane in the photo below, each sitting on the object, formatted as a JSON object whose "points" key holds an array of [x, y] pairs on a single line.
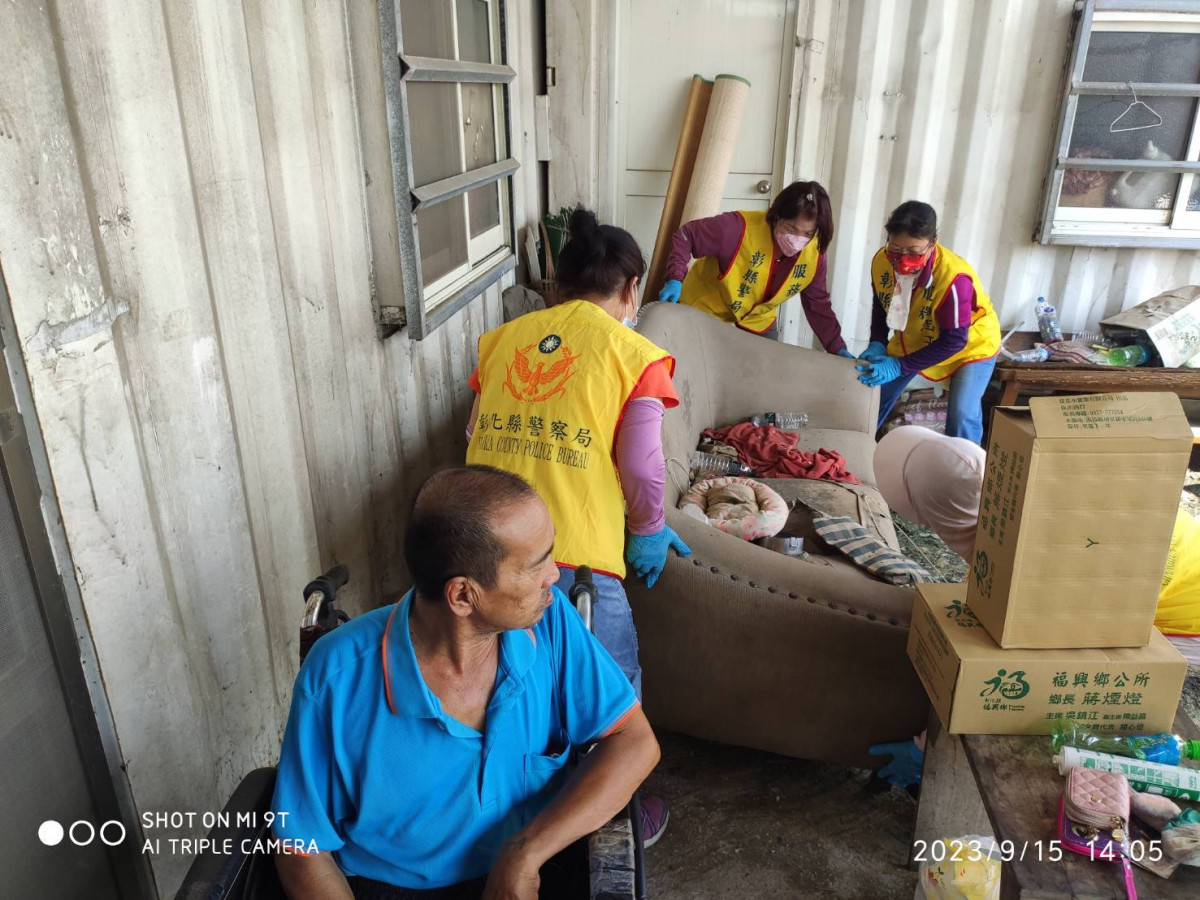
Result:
{"points": [[1194, 199], [1148, 56], [479, 125], [1091, 135], [1091, 138], [433, 131], [484, 205], [442, 235], [427, 28], [474, 33]]}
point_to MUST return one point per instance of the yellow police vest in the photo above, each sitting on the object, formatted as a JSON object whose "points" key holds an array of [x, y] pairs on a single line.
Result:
{"points": [[553, 385], [738, 294], [983, 337], [1179, 598]]}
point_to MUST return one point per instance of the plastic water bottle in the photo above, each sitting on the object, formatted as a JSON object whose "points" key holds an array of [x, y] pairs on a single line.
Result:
{"points": [[1047, 318], [1133, 355], [1037, 354], [712, 465], [1167, 749], [786, 421]]}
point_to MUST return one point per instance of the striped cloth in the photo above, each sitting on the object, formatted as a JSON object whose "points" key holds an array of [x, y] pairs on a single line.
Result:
{"points": [[866, 551]]}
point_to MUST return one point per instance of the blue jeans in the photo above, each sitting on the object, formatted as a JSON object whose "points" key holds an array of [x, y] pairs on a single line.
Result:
{"points": [[612, 622], [964, 418]]}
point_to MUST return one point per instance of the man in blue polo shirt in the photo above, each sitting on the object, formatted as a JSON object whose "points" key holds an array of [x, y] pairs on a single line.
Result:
{"points": [[427, 740]]}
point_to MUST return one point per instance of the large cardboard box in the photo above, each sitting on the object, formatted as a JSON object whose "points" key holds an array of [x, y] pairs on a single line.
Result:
{"points": [[978, 688], [1075, 519], [1171, 321]]}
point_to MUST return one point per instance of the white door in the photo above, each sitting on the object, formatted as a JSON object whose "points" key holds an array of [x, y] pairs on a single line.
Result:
{"points": [[661, 46]]}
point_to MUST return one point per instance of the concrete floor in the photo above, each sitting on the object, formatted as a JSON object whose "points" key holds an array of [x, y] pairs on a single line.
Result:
{"points": [[756, 826]]}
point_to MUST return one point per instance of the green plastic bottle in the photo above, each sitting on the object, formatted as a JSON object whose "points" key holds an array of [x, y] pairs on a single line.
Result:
{"points": [[1164, 748]]}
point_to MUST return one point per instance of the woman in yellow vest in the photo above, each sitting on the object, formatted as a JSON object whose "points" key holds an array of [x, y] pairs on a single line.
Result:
{"points": [[571, 398], [942, 322], [750, 262]]}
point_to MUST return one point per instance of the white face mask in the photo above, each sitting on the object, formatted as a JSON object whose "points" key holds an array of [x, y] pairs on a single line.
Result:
{"points": [[631, 322], [791, 244]]}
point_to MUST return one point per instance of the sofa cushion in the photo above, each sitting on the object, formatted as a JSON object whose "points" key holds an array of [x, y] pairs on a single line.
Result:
{"points": [[811, 499]]}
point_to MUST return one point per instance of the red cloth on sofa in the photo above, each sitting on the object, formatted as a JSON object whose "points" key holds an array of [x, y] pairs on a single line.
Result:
{"points": [[773, 453]]}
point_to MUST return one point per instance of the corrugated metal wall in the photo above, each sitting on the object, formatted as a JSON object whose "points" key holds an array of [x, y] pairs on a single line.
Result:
{"points": [[185, 236], [954, 103]]}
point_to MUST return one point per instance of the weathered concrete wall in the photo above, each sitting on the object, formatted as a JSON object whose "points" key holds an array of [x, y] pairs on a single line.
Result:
{"points": [[187, 239]]}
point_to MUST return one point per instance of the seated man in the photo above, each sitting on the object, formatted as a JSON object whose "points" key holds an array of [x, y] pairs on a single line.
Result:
{"points": [[427, 741]]}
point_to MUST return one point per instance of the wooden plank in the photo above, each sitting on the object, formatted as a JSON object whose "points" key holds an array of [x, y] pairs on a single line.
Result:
{"points": [[950, 803], [292, 140], [1020, 789], [217, 109]]}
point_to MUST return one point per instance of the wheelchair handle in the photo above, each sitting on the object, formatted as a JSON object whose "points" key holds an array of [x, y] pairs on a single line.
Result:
{"points": [[321, 591], [583, 594]]}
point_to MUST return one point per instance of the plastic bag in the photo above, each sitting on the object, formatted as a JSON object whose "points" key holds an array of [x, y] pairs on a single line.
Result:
{"points": [[969, 869]]}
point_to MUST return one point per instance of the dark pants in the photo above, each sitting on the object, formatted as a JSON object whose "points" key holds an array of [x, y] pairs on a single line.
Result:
{"points": [[564, 877]]}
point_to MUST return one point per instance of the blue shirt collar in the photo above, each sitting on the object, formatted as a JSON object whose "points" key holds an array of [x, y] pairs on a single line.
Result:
{"points": [[404, 687]]}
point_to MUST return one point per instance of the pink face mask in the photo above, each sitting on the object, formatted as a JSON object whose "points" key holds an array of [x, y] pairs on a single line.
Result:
{"points": [[791, 244]]}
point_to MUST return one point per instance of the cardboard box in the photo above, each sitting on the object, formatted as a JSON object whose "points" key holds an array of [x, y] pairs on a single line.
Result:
{"points": [[978, 688], [1171, 321], [1075, 519]]}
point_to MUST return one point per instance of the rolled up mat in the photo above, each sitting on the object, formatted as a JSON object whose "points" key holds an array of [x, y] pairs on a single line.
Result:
{"points": [[677, 186], [1152, 778], [717, 144]]}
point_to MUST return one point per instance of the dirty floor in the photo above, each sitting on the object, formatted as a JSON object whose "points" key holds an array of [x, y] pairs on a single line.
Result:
{"points": [[756, 826]]}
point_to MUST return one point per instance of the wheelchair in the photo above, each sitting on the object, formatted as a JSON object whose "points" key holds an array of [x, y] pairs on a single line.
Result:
{"points": [[615, 853]]}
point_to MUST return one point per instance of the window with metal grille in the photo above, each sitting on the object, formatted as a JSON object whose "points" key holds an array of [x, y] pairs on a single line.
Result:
{"points": [[446, 82], [1126, 166]]}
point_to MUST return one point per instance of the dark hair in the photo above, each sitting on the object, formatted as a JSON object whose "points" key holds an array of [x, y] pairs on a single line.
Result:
{"points": [[805, 198], [914, 218], [597, 260], [449, 531]]}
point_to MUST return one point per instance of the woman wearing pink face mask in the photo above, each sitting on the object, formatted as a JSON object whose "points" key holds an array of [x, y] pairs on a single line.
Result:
{"points": [[942, 323], [750, 262]]}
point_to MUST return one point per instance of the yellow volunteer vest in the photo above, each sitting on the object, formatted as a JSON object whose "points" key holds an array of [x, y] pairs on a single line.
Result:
{"points": [[1179, 598], [553, 384], [738, 294], [983, 338]]}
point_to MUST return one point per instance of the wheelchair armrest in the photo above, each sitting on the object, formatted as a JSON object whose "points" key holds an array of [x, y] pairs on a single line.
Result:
{"points": [[223, 876]]}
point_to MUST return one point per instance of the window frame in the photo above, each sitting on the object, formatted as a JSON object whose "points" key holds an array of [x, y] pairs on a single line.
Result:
{"points": [[1173, 228], [428, 307]]}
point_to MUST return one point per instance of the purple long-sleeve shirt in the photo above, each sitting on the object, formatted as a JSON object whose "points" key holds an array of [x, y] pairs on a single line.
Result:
{"points": [[720, 236], [641, 465], [953, 318]]}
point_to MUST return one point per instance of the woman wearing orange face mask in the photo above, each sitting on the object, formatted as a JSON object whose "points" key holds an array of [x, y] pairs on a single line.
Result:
{"points": [[942, 322]]}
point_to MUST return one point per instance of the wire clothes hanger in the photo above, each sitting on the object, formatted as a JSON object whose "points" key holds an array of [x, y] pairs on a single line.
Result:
{"points": [[1113, 129]]}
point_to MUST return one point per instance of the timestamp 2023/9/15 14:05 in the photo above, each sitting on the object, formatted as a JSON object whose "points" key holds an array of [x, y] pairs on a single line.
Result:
{"points": [[973, 850]]}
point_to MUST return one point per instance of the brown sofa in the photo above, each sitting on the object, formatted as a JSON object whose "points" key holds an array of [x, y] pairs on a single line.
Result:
{"points": [[739, 644]]}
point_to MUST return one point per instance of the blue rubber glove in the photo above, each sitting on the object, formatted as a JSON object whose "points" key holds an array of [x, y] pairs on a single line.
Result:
{"points": [[874, 351], [670, 291], [647, 553], [905, 767], [879, 372], [846, 353]]}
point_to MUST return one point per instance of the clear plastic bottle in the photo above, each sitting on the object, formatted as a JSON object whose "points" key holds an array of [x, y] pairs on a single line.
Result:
{"points": [[1037, 354], [712, 465], [1133, 355], [1047, 318], [1167, 749], [787, 421]]}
